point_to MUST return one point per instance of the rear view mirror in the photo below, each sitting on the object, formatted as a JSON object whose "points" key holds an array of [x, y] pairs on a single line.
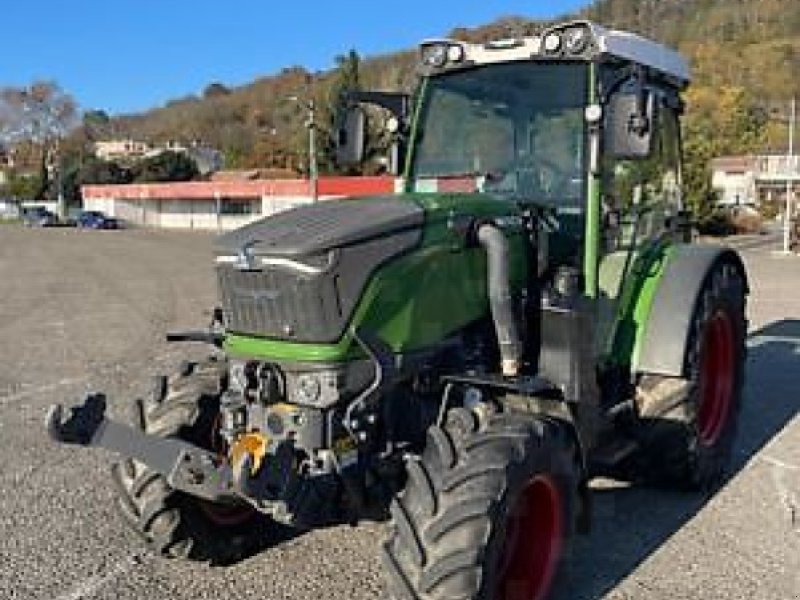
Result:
{"points": [[630, 125], [351, 137]]}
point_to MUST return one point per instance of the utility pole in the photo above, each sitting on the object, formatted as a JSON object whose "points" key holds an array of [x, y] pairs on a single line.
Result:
{"points": [[311, 125], [54, 165], [790, 172], [313, 170], [61, 201]]}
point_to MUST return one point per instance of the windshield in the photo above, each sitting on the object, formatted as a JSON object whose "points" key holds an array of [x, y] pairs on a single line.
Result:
{"points": [[518, 126]]}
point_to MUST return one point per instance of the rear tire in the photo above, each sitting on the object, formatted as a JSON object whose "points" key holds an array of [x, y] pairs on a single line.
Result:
{"points": [[486, 511], [172, 523], [689, 447]]}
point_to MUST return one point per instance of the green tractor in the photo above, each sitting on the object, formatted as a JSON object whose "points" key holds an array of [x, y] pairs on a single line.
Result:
{"points": [[463, 357]]}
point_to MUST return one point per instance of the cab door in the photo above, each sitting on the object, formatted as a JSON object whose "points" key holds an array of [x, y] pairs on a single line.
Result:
{"points": [[642, 203]]}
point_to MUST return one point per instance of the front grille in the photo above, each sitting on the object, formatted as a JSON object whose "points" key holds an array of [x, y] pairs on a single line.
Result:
{"points": [[280, 303]]}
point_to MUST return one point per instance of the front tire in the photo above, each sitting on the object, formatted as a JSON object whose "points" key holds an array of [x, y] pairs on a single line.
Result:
{"points": [[172, 523], [486, 511]]}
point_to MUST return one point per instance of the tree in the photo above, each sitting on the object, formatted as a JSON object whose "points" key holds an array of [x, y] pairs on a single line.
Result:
{"points": [[40, 114], [80, 169], [24, 186], [216, 90], [167, 166], [97, 171], [96, 124]]}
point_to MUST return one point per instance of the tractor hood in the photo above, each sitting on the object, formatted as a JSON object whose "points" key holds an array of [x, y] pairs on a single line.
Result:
{"points": [[298, 275], [317, 228]]}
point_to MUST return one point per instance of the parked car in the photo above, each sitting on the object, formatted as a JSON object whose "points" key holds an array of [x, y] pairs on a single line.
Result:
{"points": [[95, 219], [39, 217]]}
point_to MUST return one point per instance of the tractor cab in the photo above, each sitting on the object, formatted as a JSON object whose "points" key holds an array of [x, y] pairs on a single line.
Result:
{"points": [[579, 121]]}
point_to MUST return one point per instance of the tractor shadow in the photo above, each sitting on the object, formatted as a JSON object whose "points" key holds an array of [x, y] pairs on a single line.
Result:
{"points": [[264, 535], [632, 523]]}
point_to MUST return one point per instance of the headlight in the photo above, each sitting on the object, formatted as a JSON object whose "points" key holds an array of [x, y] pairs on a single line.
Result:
{"points": [[435, 55], [576, 40], [552, 43], [455, 53], [308, 388], [324, 388]]}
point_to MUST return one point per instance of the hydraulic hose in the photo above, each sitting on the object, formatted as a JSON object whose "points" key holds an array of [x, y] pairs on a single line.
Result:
{"points": [[495, 243]]}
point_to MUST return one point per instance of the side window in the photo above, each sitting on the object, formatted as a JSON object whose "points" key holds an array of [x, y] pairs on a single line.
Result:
{"points": [[645, 191]]}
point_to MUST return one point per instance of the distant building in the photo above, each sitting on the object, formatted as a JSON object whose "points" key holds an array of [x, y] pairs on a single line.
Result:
{"points": [[753, 180], [734, 178], [208, 160], [170, 146], [121, 150], [220, 205]]}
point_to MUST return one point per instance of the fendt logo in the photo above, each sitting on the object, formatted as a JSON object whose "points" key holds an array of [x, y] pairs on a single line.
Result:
{"points": [[245, 259]]}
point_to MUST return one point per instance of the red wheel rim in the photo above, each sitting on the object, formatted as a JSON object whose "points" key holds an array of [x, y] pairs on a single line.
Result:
{"points": [[717, 374], [534, 538], [226, 516]]}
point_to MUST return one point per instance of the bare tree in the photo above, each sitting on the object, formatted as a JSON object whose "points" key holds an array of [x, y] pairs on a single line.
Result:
{"points": [[41, 114]]}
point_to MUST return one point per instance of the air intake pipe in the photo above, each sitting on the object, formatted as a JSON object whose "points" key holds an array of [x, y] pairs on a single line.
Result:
{"points": [[495, 243]]}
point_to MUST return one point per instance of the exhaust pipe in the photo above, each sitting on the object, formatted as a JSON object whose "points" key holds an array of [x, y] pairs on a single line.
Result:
{"points": [[495, 243]]}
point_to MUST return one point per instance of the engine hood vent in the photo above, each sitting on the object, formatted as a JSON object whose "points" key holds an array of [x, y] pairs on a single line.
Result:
{"points": [[316, 228]]}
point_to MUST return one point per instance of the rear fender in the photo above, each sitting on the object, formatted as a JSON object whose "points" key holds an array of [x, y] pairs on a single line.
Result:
{"points": [[661, 344]]}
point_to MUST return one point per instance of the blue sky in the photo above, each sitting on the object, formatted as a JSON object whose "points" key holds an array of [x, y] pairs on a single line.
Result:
{"points": [[128, 55]]}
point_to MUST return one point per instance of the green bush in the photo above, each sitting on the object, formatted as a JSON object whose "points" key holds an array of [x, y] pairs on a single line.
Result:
{"points": [[719, 223]]}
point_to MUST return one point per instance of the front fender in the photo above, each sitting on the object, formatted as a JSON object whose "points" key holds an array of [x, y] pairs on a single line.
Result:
{"points": [[661, 344]]}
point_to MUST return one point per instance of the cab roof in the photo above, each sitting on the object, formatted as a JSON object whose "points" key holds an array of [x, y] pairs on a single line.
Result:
{"points": [[570, 41]]}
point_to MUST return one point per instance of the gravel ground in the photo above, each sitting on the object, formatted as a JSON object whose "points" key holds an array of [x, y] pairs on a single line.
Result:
{"points": [[86, 311]]}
